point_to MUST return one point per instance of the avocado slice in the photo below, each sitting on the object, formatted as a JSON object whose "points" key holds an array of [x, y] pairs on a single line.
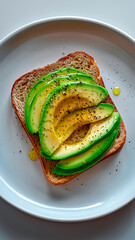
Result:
{"points": [[97, 131], [91, 94], [88, 156], [82, 117], [86, 159], [44, 80], [34, 112]]}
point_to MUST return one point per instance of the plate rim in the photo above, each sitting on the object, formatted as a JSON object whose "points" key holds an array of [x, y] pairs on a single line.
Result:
{"points": [[25, 210], [27, 27], [59, 18]]}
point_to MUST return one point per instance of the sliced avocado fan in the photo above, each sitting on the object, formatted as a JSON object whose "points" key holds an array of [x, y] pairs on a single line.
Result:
{"points": [[60, 103]]}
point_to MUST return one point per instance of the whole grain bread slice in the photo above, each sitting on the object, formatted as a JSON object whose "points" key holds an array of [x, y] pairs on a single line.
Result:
{"points": [[22, 86]]}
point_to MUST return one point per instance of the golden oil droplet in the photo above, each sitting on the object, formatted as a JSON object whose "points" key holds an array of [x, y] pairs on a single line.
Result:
{"points": [[33, 154], [116, 91]]}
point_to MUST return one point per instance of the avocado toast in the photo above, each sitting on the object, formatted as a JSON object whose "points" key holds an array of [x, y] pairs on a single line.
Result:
{"points": [[22, 87]]}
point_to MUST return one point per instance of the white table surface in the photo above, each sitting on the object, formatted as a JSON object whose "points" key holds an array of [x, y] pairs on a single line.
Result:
{"points": [[14, 224]]}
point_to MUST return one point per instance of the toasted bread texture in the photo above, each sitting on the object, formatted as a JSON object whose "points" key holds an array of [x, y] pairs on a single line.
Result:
{"points": [[22, 86]]}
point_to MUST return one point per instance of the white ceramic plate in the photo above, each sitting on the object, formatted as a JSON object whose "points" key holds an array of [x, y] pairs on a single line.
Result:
{"points": [[107, 186]]}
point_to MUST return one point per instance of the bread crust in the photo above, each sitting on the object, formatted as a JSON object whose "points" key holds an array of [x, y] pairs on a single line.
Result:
{"points": [[25, 83]]}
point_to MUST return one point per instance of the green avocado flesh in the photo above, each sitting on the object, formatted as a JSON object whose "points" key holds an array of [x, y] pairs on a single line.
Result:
{"points": [[86, 160], [82, 117], [97, 131], [44, 80], [91, 94], [34, 112]]}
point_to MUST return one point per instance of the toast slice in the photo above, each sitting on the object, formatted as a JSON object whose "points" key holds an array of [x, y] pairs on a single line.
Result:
{"points": [[22, 86]]}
